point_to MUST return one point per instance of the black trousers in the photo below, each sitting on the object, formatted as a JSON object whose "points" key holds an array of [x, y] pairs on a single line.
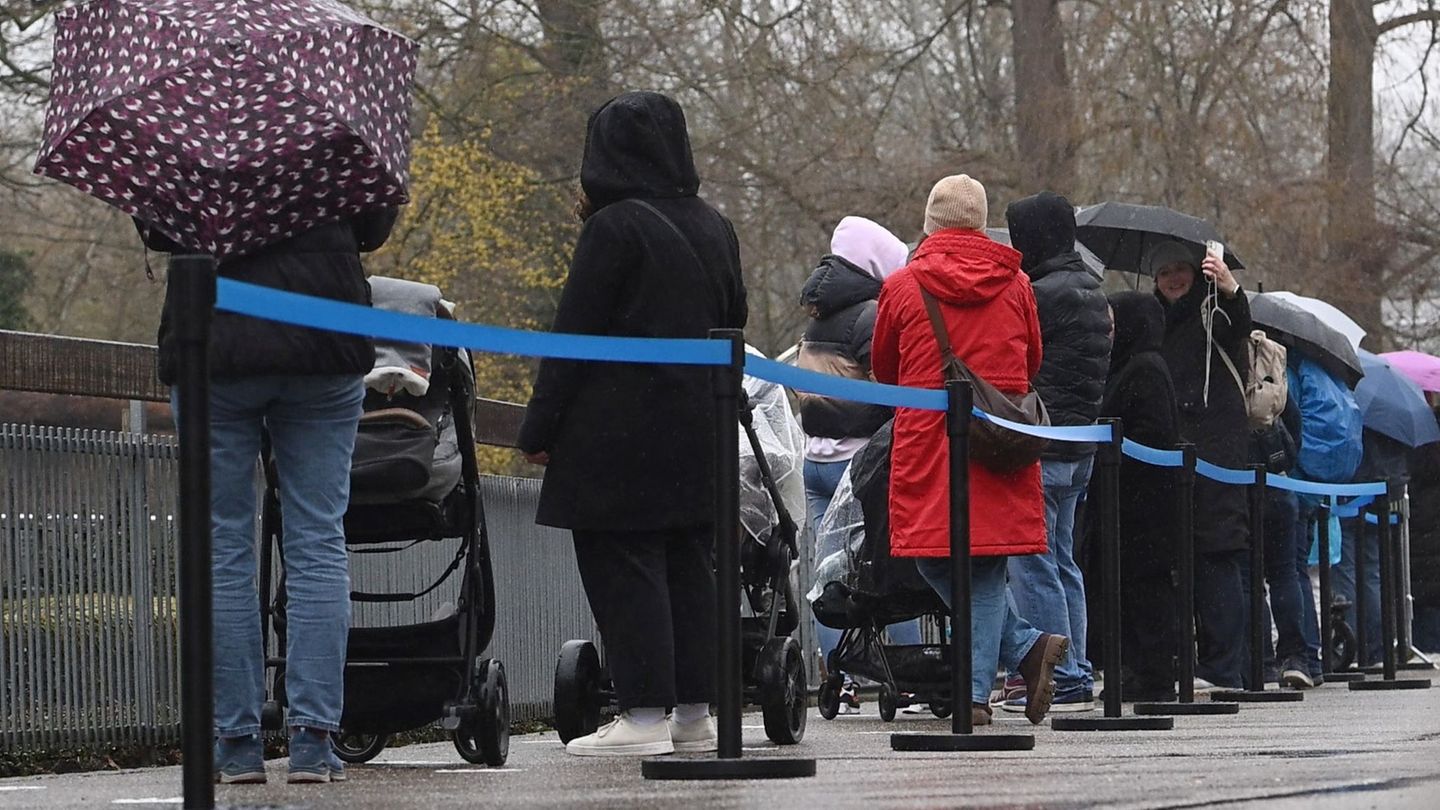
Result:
{"points": [[653, 597], [1148, 627], [1221, 637]]}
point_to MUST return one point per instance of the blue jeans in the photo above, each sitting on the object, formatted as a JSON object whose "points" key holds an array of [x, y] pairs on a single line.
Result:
{"points": [[1048, 588], [822, 478], [1343, 584], [312, 423], [1310, 624], [1284, 606], [998, 635]]}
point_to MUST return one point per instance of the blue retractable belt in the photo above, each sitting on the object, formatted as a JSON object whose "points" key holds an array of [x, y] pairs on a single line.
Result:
{"points": [[335, 316]]}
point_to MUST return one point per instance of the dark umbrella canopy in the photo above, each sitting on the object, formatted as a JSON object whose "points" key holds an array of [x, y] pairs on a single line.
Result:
{"points": [[1122, 233], [1092, 262], [1299, 330], [229, 125], [1393, 405]]}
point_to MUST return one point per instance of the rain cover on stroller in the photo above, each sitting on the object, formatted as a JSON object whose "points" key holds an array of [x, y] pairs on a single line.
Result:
{"points": [[783, 444], [857, 582]]}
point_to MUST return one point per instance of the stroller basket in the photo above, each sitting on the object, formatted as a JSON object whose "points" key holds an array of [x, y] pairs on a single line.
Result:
{"points": [[398, 677]]}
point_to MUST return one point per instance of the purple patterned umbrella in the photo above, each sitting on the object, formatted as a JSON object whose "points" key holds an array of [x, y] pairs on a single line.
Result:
{"points": [[229, 124]]}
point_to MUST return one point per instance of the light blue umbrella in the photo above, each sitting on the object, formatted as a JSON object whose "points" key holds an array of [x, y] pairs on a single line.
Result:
{"points": [[1393, 405]]}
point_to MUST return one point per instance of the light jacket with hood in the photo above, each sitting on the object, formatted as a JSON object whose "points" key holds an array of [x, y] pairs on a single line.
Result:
{"points": [[990, 315], [632, 446], [840, 298]]}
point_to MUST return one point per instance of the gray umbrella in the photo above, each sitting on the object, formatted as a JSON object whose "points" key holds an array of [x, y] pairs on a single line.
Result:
{"points": [[1299, 330], [1092, 262]]}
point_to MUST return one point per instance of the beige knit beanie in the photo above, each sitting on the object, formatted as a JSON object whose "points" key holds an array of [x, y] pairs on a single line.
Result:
{"points": [[957, 201]]}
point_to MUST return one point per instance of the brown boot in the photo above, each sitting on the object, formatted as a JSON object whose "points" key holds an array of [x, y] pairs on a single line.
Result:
{"points": [[1038, 669], [980, 714]]}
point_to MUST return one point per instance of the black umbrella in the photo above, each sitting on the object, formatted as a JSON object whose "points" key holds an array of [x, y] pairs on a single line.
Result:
{"points": [[1121, 233], [1092, 262], [1299, 330]]}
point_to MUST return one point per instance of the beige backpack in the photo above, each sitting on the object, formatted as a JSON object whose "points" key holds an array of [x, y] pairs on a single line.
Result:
{"points": [[1269, 387]]}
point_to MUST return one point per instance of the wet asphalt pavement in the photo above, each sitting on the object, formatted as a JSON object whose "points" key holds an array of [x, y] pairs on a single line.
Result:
{"points": [[1337, 749]]}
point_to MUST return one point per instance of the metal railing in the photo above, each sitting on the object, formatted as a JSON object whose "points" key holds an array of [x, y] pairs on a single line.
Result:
{"points": [[89, 653]]}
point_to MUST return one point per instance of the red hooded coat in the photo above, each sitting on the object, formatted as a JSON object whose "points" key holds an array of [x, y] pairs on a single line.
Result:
{"points": [[994, 328]]}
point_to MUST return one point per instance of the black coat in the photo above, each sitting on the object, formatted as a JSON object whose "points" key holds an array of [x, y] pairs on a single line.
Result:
{"points": [[323, 262], [1141, 394], [1425, 525], [632, 445], [1219, 428], [1074, 322], [840, 298]]}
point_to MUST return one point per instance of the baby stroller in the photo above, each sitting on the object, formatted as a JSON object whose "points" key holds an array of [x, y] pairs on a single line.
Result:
{"points": [[860, 589], [413, 481], [771, 490]]}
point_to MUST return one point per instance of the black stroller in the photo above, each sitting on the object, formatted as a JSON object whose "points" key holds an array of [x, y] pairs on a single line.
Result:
{"points": [[773, 664], [860, 589], [413, 481]]}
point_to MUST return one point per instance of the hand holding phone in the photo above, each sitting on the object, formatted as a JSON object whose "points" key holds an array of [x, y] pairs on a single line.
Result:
{"points": [[1215, 269]]}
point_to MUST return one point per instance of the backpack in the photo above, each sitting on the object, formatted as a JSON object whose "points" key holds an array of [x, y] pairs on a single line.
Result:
{"points": [[1269, 386]]}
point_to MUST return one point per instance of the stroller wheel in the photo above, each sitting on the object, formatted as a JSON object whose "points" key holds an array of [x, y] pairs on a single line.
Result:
{"points": [[829, 697], [889, 702], [577, 690], [941, 708], [483, 737], [780, 671], [358, 748]]}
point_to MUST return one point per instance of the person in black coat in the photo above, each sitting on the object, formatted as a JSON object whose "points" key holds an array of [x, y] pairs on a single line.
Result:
{"points": [[1425, 545], [630, 447], [1139, 391], [1207, 323], [1049, 588], [304, 388]]}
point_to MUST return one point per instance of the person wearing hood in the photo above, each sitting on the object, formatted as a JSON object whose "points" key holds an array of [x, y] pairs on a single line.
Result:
{"points": [[1139, 391], [1207, 326], [989, 313], [1075, 328], [629, 448], [840, 298]]}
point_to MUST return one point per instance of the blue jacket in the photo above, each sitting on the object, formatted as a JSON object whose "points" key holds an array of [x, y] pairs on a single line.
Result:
{"points": [[1330, 426]]}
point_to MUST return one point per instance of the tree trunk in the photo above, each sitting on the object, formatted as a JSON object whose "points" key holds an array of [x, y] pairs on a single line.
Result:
{"points": [[1355, 278], [1044, 109], [574, 54]]}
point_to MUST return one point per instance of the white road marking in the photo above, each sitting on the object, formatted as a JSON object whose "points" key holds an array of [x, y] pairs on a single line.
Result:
{"points": [[413, 763], [175, 800], [4, 788], [480, 770]]}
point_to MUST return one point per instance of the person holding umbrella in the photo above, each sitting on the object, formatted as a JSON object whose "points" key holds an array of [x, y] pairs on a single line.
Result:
{"points": [[1207, 324]]}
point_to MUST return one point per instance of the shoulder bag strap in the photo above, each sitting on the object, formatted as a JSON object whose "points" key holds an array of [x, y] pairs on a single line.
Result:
{"points": [[948, 361], [684, 240]]}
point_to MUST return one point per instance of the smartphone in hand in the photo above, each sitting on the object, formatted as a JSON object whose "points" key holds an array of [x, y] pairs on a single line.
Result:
{"points": [[1213, 248]]}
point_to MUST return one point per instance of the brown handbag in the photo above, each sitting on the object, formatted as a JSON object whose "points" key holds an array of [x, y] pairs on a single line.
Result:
{"points": [[995, 447]]}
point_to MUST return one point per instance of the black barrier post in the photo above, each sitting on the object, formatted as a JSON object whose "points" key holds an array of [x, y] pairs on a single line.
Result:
{"points": [[728, 763], [1108, 477], [961, 736], [1258, 627], [1185, 610], [193, 279], [1388, 654], [1327, 598]]}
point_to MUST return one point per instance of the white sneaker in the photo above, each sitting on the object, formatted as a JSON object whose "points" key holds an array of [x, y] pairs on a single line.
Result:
{"points": [[698, 737], [1202, 685], [623, 737]]}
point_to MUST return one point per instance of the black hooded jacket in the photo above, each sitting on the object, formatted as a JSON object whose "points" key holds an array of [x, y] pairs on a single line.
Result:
{"points": [[840, 299], [1074, 323], [1219, 427], [323, 262], [632, 445]]}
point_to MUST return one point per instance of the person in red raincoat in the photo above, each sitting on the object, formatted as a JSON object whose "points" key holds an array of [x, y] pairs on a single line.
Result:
{"points": [[994, 329]]}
